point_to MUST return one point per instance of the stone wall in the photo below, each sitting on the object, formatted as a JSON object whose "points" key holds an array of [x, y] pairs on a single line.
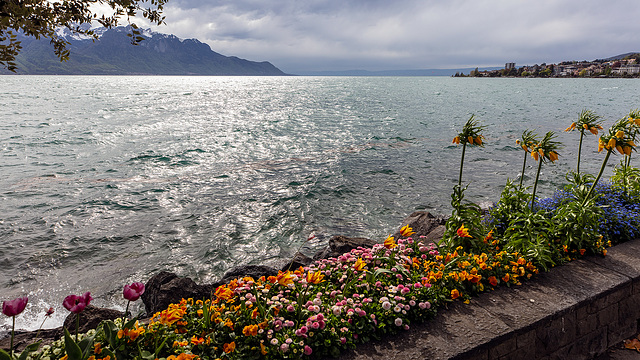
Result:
{"points": [[575, 311]]}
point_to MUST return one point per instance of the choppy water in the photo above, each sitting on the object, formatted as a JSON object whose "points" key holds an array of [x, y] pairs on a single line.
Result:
{"points": [[107, 180]]}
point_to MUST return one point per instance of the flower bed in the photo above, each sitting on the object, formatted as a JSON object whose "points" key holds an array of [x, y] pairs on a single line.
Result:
{"points": [[334, 304]]}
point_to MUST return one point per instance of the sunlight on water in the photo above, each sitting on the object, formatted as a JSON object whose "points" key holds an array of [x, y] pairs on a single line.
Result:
{"points": [[108, 180]]}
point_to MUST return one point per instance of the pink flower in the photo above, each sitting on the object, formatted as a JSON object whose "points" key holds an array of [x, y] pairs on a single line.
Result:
{"points": [[307, 350], [75, 303], [49, 312], [132, 292], [14, 307]]}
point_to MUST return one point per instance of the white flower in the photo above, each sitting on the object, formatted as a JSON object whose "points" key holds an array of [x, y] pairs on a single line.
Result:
{"points": [[398, 322]]}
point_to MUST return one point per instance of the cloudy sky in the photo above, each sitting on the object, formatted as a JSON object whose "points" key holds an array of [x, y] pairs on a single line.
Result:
{"points": [[318, 35]]}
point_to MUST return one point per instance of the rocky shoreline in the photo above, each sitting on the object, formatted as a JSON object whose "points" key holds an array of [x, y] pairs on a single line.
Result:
{"points": [[165, 288]]}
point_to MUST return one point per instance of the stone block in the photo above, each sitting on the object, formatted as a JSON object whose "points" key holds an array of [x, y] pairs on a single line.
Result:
{"points": [[624, 329], [555, 334], [504, 348], [587, 323]]}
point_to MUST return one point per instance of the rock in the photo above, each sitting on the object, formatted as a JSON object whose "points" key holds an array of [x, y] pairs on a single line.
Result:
{"points": [[90, 318], [254, 271], [435, 235], [297, 261], [339, 245], [167, 288], [26, 338], [422, 222]]}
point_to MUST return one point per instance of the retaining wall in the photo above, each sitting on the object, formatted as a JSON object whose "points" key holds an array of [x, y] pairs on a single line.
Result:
{"points": [[575, 311]]}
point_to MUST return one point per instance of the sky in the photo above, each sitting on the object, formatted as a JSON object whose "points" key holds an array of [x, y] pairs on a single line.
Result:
{"points": [[334, 35]]}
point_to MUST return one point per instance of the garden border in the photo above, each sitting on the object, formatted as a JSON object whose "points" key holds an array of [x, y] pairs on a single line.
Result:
{"points": [[574, 311]]}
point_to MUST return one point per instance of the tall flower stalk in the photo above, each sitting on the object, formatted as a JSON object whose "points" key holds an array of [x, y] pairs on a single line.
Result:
{"points": [[588, 120], [471, 135], [528, 139], [619, 138], [547, 149], [12, 309]]}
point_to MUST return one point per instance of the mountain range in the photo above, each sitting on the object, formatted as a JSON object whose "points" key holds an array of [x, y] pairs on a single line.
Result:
{"points": [[113, 54]]}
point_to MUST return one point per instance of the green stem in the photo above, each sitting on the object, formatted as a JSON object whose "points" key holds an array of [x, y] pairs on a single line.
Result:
{"points": [[579, 151], [524, 164], [77, 325], [604, 164], [464, 148], [126, 312], [535, 185], [13, 333]]}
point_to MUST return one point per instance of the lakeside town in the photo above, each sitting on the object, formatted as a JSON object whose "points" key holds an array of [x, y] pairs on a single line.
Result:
{"points": [[619, 67]]}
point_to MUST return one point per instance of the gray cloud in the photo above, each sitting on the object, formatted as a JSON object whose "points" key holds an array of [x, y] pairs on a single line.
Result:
{"points": [[298, 35]]}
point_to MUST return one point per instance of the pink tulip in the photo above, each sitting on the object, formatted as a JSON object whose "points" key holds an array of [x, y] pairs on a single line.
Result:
{"points": [[132, 292], [14, 307], [75, 303]]}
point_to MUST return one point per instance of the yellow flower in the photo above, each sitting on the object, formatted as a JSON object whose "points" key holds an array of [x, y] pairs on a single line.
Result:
{"points": [[553, 156], [389, 242], [463, 231], [470, 139], [611, 144], [359, 264], [263, 349], [478, 140], [406, 231], [571, 127], [594, 131], [285, 278], [315, 277], [620, 134], [456, 140]]}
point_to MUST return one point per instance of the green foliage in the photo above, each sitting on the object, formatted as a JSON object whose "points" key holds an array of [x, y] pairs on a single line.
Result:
{"points": [[465, 214], [40, 19]]}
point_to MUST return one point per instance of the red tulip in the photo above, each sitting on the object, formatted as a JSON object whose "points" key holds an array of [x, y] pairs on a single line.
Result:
{"points": [[132, 292], [14, 307], [75, 303]]}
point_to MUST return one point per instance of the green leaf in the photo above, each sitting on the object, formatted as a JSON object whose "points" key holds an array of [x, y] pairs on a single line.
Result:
{"points": [[71, 348], [4, 355]]}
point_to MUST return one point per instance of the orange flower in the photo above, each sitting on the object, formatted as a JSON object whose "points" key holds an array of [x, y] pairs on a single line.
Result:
{"points": [[456, 140], [535, 155], [250, 330], [263, 349], [505, 278], [455, 294], [224, 293], [255, 313], [182, 356], [582, 251], [197, 341], [97, 348], [493, 281], [230, 347], [463, 231], [489, 237]]}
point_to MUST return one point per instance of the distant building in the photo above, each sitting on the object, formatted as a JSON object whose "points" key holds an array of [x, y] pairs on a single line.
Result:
{"points": [[509, 66]]}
